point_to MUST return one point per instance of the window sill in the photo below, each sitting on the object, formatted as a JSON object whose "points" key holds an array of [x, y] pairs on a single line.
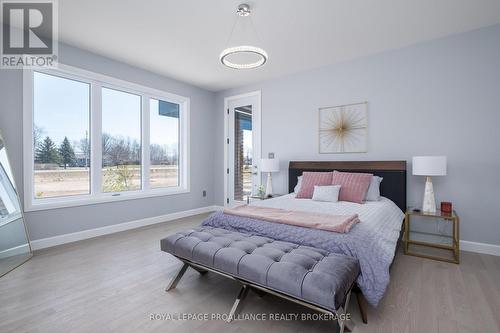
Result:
{"points": [[55, 203]]}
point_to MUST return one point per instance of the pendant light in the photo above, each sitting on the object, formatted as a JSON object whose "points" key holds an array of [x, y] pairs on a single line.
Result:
{"points": [[243, 55]]}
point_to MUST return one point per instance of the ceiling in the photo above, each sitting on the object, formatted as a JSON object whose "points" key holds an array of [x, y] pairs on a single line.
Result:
{"points": [[183, 39]]}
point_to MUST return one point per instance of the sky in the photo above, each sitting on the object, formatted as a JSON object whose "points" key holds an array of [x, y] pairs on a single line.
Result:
{"points": [[61, 108], [247, 143]]}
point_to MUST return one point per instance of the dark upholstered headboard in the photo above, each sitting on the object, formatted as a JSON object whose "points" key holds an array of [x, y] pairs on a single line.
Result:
{"points": [[394, 173]]}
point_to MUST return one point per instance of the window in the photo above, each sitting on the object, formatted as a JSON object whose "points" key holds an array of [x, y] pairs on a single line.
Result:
{"points": [[164, 144], [91, 138], [243, 151], [60, 136], [121, 141]]}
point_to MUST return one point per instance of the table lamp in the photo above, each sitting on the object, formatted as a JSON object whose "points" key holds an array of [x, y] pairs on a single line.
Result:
{"points": [[429, 166], [269, 165]]}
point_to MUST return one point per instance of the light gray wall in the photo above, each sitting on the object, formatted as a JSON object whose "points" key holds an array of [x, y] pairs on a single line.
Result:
{"points": [[54, 222], [440, 97]]}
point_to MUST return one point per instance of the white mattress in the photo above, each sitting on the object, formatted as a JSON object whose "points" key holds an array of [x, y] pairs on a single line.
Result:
{"points": [[371, 213]]}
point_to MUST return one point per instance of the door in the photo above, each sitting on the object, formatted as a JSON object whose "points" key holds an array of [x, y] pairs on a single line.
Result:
{"points": [[242, 147]]}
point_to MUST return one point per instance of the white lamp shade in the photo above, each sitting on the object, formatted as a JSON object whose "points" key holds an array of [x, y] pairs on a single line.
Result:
{"points": [[429, 165], [269, 165]]}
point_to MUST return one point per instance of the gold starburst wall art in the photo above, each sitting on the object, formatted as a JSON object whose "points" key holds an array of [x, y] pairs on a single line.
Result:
{"points": [[343, 128]]}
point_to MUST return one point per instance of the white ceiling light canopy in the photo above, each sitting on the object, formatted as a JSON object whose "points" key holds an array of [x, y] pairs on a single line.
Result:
{"points": [[244, 55]]}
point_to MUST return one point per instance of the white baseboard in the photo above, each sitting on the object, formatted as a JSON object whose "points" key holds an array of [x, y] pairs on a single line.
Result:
{"points": [[480, 248], [43, 243], [13, 251]]}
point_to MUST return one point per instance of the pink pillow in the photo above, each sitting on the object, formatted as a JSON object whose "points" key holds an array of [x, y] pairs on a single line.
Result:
{"points": [[353, 185], [311, 179]]}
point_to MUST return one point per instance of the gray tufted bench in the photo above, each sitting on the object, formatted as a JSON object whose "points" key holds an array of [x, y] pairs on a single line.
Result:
{"points": [[306, 275]]}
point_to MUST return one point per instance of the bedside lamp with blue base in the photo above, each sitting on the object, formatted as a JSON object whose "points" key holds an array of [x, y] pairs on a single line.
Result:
{"points": [[429, 166]]}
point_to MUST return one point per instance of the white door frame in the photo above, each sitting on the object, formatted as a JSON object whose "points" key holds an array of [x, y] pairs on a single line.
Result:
{"points": [[256, 93]]}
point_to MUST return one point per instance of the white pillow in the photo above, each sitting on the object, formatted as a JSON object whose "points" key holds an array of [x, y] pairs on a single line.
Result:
{"points": [[296, 189], [328, 193], [373, 193]]}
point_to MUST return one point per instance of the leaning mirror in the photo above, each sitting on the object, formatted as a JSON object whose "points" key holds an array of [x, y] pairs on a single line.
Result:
{"points": [[15, 247]]}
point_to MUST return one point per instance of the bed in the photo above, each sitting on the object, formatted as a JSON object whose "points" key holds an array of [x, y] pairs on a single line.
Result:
{"points": [[373, 241]]}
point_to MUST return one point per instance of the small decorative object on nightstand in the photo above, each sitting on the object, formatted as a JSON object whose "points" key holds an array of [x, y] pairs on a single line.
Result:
{"points": [[446, 207], [429, 166], [454, 245], [261, 192], [269, 165]]}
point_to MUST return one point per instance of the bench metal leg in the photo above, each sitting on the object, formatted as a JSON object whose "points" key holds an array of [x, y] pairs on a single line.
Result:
{"points": [[341, 313], [177, 277], [241, 295], [362, 306]]}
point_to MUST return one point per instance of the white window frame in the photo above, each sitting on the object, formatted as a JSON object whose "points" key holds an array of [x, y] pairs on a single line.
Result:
{"points": [[96, 82]]}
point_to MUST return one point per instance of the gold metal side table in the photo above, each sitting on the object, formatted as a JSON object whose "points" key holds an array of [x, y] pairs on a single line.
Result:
{"points": [[258, 197], [455, 237]]}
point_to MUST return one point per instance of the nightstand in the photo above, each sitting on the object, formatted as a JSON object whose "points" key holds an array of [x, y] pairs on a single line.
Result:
{"points": [[454, 243], [257, 197]]}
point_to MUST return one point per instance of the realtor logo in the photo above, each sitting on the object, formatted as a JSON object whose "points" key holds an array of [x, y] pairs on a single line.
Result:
{"points": [[29, 34]]}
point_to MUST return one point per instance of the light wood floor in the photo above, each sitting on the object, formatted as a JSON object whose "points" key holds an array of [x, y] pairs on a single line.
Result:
{"points": [[113, 283]]}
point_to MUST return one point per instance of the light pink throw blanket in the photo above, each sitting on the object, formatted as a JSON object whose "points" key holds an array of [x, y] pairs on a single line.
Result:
{"points": [[329, 222]]}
